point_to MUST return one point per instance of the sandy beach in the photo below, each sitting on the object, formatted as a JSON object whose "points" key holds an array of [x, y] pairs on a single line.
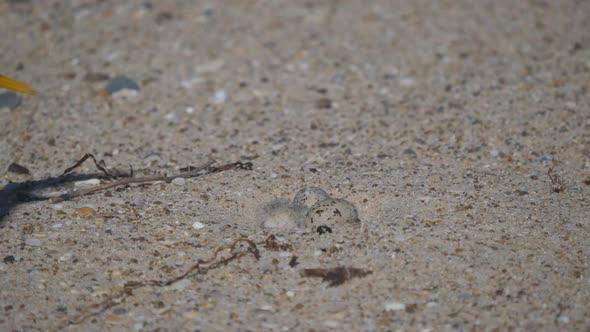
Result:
{"points": [[458, 130]]}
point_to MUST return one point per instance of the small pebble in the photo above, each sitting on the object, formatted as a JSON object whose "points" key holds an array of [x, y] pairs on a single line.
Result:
{"points": [[210, 67], [120, 311], [179, 182], [407, 82], [120, 83], [33, 242], [9, 259], [394, 306], [85, 211], [219, 97], [191, 315], [282, 215], [562, 319], [138, 202], [9, 100], [308, 196], [65, 257], [198, 225], [331, 213]]}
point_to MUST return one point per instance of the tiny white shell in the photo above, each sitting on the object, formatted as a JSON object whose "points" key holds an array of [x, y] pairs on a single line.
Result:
{"points": [[308, 196], [281, 215], [331, 212]]}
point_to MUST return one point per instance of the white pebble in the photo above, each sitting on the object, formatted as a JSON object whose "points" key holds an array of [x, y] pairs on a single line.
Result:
{"points": [[198, 225], [219, 97], [170, 116], [331, 212], [407, 81], [210, 67], [282, 215], [308, 196], [562, 319], [179, 182], [33, 242], [65, 257], [394, 306]]}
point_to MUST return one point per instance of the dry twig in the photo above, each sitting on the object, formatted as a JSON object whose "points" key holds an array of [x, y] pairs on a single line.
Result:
{"points": [[201, 267], [192, 172]]}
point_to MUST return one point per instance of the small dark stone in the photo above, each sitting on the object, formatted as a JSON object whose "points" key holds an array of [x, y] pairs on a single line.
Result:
{"points": [[324, 229], [293, 262], [9, 259], [121, 83], [9, 100], [410, 153], [521, 192], [18, 169], [324, 103], [163, 17], [120, 311], [587, 182]]}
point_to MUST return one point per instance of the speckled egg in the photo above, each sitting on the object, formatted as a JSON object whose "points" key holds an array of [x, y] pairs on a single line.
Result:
{"points": [[330, 213], [308, 196], [281, 215]]}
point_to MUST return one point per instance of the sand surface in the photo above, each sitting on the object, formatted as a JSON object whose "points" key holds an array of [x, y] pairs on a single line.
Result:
{"points": [[438, 120]]}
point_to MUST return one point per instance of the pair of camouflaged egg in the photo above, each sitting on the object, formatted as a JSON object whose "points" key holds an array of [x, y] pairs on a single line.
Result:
{"points": [[312, 209]]}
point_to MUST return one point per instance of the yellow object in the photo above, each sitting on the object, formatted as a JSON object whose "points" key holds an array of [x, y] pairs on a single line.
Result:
{"points": [[10, 84]]}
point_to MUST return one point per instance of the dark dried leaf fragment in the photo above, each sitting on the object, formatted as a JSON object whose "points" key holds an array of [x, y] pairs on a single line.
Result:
{"points": [[293, 262], [557, 184], [271, 243], [336, 275], [18, 169]]}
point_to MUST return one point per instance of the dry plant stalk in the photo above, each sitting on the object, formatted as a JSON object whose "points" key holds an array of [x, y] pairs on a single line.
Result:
{"points": [[202, 266], [129, 179]]}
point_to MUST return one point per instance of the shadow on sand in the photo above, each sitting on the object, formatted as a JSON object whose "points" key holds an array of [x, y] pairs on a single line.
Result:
{"points": [[17, 193]]}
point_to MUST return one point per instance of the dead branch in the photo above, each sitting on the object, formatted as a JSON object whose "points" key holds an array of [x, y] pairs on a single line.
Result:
{"points": [[192, 172], [100, 165], [202, 266]]}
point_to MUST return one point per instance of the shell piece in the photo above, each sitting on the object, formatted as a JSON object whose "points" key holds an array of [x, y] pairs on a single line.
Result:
{"points": [[308, 196], [331, 212], [281, 215]]}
